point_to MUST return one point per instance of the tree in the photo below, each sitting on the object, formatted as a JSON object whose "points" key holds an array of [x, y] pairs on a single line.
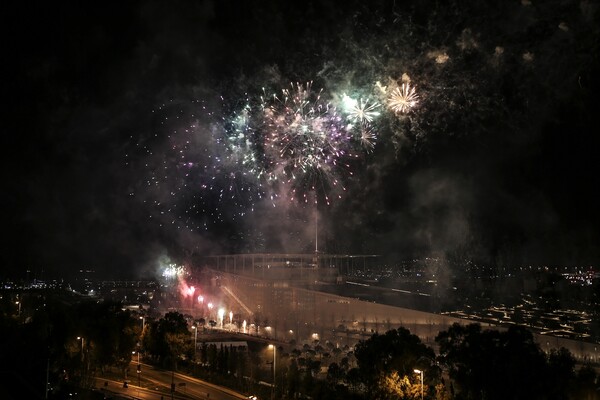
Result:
{"points": [[494, 365], [587, 384], [560, 373], [110, 332], [396, 351], [394, 386], [442, 392], [167, 339], [334, 373], [212, 357], [293, 379]]}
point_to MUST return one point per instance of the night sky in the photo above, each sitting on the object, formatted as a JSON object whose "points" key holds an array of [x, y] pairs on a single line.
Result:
{"points": [[119, 120]]}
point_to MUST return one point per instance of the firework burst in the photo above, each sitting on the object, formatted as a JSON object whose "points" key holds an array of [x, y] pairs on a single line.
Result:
{"points": [[360, 111], [367, 138], [197, 172], [305, 142], [402, 99], [212, 167]]}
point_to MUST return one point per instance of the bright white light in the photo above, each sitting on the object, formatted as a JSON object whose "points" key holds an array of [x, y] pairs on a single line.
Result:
{"points": [[348, 102], [221, 315], [361, 110], [172, 271]]}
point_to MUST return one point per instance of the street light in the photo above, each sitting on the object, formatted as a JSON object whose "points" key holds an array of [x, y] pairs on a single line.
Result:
{"points": [[139, 368], [271, 346], [82, 360], [418, 371], [195, 339], [143, 323], [82, 341]]}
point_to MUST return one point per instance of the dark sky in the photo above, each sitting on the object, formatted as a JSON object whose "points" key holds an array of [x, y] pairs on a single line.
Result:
{"points": [[497, 163]]}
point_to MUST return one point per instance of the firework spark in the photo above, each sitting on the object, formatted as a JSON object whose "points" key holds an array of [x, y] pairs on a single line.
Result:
{"points": [[367, 138], [403, 99], [199, 176], [305, 141], [295, 145], [360, 111]]}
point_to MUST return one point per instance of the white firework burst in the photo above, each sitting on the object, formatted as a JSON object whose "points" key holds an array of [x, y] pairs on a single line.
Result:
{"points": [[367, 138], [360, 111], [403, 98]]}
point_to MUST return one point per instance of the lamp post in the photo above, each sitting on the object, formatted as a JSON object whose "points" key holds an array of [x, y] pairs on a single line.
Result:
{"points": [[272, 346], [82, 361], [418, 371], [82, 341], [195, 328], [141, 333], [139, 367]]}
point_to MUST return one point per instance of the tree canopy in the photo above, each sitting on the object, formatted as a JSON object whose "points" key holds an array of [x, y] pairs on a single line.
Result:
{"points": [[387, 362], [508, 364]]}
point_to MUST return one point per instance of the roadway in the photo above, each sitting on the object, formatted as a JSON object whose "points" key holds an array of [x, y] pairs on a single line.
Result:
{"points": [[156, 385]]}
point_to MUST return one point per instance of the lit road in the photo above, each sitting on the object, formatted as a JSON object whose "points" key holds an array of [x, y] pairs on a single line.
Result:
{"points": [[156, 385]]}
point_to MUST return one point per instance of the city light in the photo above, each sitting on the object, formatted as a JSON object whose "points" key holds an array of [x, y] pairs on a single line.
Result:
{"points": [[418, 371]]}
